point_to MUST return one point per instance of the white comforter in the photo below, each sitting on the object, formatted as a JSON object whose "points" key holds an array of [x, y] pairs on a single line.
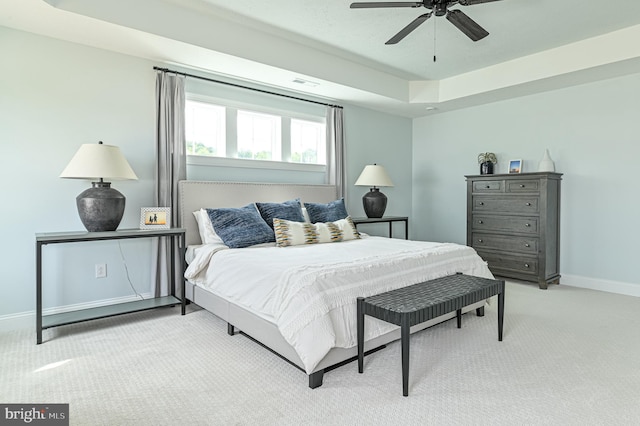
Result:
{"points": [[310, 291]]}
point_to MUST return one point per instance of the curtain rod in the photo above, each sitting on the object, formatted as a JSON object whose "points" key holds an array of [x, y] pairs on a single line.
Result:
{"points": [[244, 87]]}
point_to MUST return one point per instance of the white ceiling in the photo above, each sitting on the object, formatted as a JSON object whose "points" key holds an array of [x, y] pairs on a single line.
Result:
{"points": [[532, 45], [516, 28]]}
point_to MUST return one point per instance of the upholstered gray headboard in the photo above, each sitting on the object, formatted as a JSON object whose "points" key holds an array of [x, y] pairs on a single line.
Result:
{"points": [[194, 195]]}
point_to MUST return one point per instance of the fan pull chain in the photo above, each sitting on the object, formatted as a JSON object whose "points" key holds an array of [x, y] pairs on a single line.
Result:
{"points": [[434, 40]]}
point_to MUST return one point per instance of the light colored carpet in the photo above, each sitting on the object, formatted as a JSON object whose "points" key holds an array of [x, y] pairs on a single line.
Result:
{"points": [[569, 357]]}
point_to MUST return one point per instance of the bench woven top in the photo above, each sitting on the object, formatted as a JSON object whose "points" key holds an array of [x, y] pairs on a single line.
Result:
{"points": [[430, 299]]}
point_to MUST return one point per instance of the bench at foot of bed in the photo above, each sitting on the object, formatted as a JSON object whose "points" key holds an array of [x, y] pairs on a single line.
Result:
{"points": [[315, 379]]}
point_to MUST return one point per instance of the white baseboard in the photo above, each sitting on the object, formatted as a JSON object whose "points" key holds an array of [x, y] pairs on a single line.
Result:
{"points": [[27, 320], [618, 287]]}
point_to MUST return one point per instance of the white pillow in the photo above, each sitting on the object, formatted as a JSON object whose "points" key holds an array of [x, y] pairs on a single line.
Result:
{"points": [[305, 214], [207, 233], [289, 233]]}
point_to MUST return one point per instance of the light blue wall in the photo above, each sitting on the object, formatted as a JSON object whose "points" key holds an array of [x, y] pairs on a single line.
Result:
{"points": [[55, 96], [593, 134], [373, 137]]}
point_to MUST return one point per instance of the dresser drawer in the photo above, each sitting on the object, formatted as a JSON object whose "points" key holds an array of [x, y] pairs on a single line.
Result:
{"points": [[521, 224], [523, 186], [488, 186], [508, 263], [505, 204], [505, 243]]}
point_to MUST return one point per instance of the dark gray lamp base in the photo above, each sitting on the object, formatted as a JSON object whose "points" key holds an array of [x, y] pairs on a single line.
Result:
{"points": [[374, 203], [100, 207]]}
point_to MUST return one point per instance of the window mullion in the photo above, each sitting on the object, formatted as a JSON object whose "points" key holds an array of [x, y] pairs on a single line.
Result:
{"points": [[232, 132], [285, 139]]}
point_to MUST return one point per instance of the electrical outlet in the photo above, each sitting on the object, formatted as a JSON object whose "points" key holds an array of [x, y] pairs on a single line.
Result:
{"points": [[101, 270]]}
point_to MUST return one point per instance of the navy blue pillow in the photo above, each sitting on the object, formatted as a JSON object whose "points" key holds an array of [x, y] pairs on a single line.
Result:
{"points": [[240, 227], [329, 212], [289, 210]]}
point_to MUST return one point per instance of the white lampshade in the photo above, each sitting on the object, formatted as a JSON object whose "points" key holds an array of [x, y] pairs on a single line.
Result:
{"points": [[96, 161], [374, 175]]}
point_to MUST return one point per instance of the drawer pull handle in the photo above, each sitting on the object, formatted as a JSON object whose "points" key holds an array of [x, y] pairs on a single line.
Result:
{"points": [[521, 186], [527, 225], [527, 245], [480, 221], [527, 204], [480, 240], [481, 203], [487, 187], [526, 265]]}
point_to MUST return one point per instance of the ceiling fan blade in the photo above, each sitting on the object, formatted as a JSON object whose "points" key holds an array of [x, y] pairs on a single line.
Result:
{"points": [[365, 5], [467, 25], [472, 2], [406, 30]]}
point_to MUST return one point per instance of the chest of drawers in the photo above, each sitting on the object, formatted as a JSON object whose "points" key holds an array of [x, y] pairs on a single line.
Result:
{"points": [[513, 222]]}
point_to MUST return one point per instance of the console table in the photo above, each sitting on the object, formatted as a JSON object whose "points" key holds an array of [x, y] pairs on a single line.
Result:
{"points": [[385, 219], [55, 320]]}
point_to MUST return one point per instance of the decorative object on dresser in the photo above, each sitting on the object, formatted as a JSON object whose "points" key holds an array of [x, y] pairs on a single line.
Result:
{"points": [[100, 207], [515, 166], [374, 201], [513, 222], [546, 164], [486, 161]]}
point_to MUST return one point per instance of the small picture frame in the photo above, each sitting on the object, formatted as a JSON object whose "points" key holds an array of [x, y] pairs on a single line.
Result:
{"points": [[155, 217], [515, 166]]}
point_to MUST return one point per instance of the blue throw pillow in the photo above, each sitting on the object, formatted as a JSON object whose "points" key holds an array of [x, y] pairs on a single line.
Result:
{"points": [[289, 210], [240, 227], [329, 212]]}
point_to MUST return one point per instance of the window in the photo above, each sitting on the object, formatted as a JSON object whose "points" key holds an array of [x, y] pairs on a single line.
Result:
{"points": [[308, 142], [216, 129], [258, 136], [205, 129]]}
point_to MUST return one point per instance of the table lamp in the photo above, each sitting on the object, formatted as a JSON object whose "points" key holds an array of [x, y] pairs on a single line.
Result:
{"points": [[374, 201], [100, 207]]}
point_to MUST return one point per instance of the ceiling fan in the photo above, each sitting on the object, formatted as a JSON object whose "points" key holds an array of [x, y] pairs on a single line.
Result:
{"points": [[440, 8]]}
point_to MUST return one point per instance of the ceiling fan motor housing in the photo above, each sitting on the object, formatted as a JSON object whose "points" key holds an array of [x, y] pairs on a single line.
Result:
{"points": [[440, 9]]}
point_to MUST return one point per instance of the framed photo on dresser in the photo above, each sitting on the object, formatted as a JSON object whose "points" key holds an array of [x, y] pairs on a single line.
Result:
{"points": [[515, 166]]}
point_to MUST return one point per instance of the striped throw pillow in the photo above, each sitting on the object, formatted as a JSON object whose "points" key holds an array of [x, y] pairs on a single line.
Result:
{"points": [[290, 233]]}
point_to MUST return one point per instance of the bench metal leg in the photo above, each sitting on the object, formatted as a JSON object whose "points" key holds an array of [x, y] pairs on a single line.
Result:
{"points": [[230, 329], [404, 332], [459, 317], [480, 311], [360, 315], [500, 312]]}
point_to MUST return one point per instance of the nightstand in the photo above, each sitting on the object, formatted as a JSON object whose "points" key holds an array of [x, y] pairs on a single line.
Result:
{"points": [[55, 320], [385, 219]]}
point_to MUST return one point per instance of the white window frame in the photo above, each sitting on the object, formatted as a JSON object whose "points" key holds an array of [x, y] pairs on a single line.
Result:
{"points": [[231, 136]]}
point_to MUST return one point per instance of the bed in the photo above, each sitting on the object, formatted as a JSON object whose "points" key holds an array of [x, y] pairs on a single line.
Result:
{"points": [[299, 301]]}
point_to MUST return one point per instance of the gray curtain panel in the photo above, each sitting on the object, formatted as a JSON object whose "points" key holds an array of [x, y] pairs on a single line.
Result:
{"points": [[171, 167], [335, 150]]}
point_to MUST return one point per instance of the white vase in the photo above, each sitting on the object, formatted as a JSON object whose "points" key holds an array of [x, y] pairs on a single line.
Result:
{"points": [[546, 164]]}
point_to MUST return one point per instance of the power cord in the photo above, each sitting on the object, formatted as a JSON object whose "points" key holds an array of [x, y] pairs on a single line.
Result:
{"points": [[126, 269]]}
